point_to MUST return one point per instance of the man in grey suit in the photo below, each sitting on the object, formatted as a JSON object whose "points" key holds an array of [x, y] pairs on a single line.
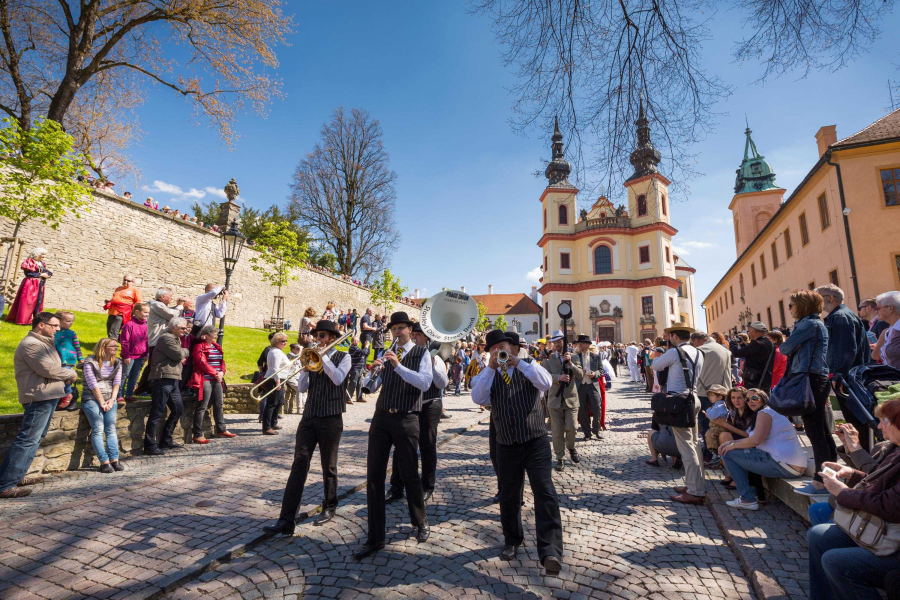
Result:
{"points": [[716, 371], [589, 396], [562, 399]]}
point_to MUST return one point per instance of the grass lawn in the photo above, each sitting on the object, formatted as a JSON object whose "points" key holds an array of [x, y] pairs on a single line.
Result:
{"points": [[242, 347]]}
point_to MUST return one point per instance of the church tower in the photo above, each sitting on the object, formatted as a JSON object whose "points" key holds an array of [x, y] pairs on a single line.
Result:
{"points": [[559, 199], [648, 190], [756, 197]]}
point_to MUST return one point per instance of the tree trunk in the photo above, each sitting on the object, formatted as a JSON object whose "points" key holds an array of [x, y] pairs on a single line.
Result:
{"points": [[16, 230]]}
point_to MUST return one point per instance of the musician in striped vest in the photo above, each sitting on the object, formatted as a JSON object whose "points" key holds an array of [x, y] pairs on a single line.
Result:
{"points": [[522, 447], [406, 374], [429, 417], [321, 425]]}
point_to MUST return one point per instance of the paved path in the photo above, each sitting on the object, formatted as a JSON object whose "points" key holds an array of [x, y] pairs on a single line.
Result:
{"points": [[84, 535]]}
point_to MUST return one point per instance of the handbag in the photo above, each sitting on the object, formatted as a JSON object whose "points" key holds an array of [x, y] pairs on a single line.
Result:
{"points": [[793, 396], [677, 410], [868, 531]]}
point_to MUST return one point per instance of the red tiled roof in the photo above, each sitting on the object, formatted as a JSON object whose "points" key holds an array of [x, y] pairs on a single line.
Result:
{"points": [[508, 304], [885, 128]]}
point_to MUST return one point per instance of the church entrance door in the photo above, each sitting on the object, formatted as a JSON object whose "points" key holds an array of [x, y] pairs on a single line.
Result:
{"points": [[606, 334]]}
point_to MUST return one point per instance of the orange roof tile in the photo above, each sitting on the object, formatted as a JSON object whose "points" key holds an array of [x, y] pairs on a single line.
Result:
{"points": [[508, 304]]}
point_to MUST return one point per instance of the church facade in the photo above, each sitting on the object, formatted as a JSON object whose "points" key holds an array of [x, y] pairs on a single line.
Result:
{"points": [[615, 266]]}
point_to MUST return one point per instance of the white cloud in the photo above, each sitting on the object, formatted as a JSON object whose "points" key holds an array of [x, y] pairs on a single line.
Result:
{"points": [[177, 193], [216, 192], [698, 245], [728, 221], [534, 275], [679, 251]]}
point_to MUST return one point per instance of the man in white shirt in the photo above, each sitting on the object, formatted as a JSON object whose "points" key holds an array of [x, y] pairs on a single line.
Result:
{"points": [[631, 353], [205, 310], [686, 438]]}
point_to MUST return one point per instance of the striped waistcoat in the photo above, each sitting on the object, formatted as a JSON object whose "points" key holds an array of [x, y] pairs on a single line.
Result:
{"points": [[396, 394], [432, 393], [326, 399], [516, 408]]}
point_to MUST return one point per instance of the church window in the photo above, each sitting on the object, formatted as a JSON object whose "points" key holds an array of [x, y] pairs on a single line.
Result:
{"points": [[668, 255], [647, 305], [774, 255], [671, 306], [665, 208], [890, 184], [804, 232], [642, 205], [741, 280], [781, 312], [761, 220], [788, 249], [545, 263], [603, 215], [753, 274], [563, 215], [545, 218], [602, 260], [644, 254], [731, 290], [823, 212], [564, 260]]}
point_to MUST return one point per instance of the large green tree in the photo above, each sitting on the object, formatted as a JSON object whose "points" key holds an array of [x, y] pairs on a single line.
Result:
{"points": [[39, 178], [386, 290], [500, 323], [279, 254]]}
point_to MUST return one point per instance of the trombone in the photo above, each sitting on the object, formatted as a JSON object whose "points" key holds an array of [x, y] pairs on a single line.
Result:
{"points": [[310, 359]]}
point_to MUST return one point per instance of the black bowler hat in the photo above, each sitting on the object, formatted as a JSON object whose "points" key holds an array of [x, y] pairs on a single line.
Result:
{"points": [[513, 338], [400, 318], [494, 337], [417, 328], [583, 338], [326, 325]]}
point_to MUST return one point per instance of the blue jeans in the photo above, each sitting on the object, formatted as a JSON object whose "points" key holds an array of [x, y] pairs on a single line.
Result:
{"points": [[820, 513], [839, 569], [35, 424], [131, 373], [752, 460], [102, 422], [458, 381]]}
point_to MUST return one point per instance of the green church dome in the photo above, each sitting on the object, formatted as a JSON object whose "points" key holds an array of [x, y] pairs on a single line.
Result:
{"points": [[754, 174]]}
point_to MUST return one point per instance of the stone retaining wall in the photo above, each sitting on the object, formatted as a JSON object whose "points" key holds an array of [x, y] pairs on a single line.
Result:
{"points": [[89, 255], [237, 400], [68, 446]]}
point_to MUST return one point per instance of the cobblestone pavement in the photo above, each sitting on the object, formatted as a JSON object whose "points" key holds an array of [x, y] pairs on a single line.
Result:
{"points": [[88, 534], [623, 537]]}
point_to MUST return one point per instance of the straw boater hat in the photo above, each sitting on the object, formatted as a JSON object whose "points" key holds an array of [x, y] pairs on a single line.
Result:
{"points": [[675, 328]]}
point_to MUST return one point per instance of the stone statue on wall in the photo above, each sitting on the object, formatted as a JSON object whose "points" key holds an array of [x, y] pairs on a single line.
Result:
{"points": [[617, 311], [229, 211], [232, 190], [593, 312]]}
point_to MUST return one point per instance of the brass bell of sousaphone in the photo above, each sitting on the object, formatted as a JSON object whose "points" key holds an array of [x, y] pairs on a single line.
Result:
{"points": [[448, 317]]}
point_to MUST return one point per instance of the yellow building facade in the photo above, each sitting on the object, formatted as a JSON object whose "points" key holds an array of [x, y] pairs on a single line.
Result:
{"points": [[839, 226], [615, 266]]}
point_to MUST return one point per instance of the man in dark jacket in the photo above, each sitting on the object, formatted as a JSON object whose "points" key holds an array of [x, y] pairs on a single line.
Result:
{"points": [[759, 357], [165, 378], [358, 357], [848, 346]]}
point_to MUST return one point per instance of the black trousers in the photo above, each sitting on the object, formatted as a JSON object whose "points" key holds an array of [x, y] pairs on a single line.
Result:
{"points": [[273, 404], [143, 385], [588, 402], [164, 392], [354, 384], [703, 424], [513, 461], [816, 424], [324, 432], [402, 432], [428, 427], [861, 427], [114, 326]]}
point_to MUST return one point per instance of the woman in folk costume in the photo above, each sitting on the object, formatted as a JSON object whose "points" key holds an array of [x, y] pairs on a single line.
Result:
{"points": [[30, 297]]}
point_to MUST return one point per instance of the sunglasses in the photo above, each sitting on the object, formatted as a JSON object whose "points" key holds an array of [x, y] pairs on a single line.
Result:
{"points": [[754, 398], [322, 336]]}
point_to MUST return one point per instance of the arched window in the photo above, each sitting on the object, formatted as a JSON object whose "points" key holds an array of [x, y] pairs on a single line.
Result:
{"points": [[545, 219], [665, 208], [602, 260], [642, 205], [534, 326], [563, 215]]}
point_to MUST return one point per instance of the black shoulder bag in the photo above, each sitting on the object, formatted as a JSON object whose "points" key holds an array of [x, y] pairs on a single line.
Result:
{"points": [[677, 410]]}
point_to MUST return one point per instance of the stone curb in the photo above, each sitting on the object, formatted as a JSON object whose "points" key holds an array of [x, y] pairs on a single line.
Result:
{"points": [[175, 580], [752, 563]]}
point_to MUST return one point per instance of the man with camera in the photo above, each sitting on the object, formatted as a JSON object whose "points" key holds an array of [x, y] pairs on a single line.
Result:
{"points": [[562, 400], [205, 310]]}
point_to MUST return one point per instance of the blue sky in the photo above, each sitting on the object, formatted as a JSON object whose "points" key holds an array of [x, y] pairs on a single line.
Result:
{"points": [[467, 201]]}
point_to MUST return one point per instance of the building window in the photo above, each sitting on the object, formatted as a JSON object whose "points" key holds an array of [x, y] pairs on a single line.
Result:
{"points": [[646, 305], [823, 212], [545, 263], [644, 254], [680, 291], [563, 215], [602, 260], [753, 275], [665, 208], [534, 327], [897, 265], [804, 232], [642, 205], [774, 255], [671, 306], [668, 256], [762, 219], [811, 285], [726, 301], [737, 230], [741, 281], [769, 314], [545, 218], [762, 265], [788, 249], [890, 183], [759, 317], [731, 289], [833, 277], [564, 260], [781, 312]]}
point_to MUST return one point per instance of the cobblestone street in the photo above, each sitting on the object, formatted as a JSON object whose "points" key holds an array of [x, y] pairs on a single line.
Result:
{"points": [[85, 535]]}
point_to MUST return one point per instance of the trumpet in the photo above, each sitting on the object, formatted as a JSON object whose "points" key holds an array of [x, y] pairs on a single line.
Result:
{"points": [[503, 357], [372, 381], [310, 359]]}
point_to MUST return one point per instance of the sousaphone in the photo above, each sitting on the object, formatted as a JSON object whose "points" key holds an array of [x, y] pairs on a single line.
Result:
{"points": [[448, 317]]}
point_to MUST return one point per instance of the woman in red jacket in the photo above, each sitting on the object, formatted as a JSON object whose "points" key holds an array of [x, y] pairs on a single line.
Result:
{"points": [[209, 381], [779, 362], [838, 567]]}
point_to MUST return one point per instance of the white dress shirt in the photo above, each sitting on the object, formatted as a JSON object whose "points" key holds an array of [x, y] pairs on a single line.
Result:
{"points": [[675, 383], [336, 374], [631, 352], [536, 374], [422, 378], [204, 304], [440, 379]]}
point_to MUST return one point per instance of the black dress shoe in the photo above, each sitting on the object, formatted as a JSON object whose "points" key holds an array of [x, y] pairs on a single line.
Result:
{"points": [[587, 437], [560, 464], [423, 531], [509, 552], [171, 446], [367, 549], [574, 454], [552, 565], [282, 526], [117, 465], [326, 515], [427, 496], [106, 468], [73, 406], [153, 452], [393, 496]]}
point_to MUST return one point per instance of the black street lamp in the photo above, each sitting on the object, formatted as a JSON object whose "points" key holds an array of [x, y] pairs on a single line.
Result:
{"points": [[232, 243]]}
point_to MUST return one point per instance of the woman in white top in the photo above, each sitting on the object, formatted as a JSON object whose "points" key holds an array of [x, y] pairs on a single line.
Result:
{"points": [[772, 450], [275, 361]]}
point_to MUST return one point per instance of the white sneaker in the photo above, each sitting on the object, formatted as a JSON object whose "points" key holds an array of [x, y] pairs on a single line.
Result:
{"points": [[739, 503]]}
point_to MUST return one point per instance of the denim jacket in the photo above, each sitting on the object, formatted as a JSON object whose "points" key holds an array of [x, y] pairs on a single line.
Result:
{"points": [[807, 346]]}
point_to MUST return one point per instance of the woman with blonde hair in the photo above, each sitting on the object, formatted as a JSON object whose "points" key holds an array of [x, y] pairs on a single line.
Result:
{"points": [[103, 376], [30, 297], [275, 361]]}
